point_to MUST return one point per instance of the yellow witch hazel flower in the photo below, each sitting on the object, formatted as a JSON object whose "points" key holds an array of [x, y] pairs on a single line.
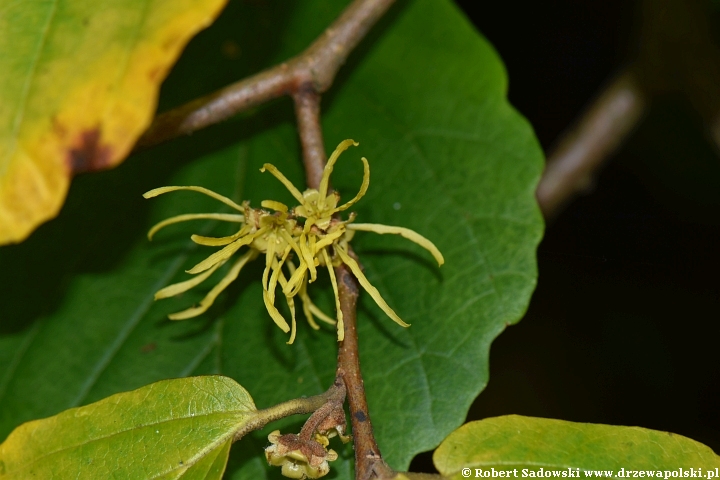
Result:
{"points": [[300, 240]]}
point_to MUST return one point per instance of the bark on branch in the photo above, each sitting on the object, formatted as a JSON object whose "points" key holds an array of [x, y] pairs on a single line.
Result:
{"points": [[588, 144], [304, 78], [368, 460], [314, 69], [677, 54]]}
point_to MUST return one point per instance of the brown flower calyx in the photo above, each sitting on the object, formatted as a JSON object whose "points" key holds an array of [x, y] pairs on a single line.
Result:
{"points": [[332, 425], [299, 458], [306, 455]]}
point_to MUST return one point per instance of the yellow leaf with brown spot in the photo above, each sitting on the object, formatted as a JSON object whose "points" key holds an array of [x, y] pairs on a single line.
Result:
{"points": [[79, 81]]}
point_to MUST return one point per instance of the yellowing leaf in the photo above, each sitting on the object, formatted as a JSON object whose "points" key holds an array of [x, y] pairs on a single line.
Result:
{"points": [[520, 445], [78, 84], [173, 429]]}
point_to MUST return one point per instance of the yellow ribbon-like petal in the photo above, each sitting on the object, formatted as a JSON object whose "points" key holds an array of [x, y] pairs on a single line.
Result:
{"points": [[217, 289], [226, 217], [272, 204], [403, 232], [288, 184], [308, 256], [350, 262], [328, 239], [180, 287], [293, 328], [159, 191], [333, 280], [276, 276], [325, 180], [220, 241], [276, 272], [226, 252], [315, 310], [283, 281], [309, 308], [308, 313], [291, 241], [363, 187], [296, 278], [274, 313]]}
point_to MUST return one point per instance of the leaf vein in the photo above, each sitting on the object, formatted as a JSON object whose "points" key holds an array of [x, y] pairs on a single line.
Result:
{"points": [[130, 325], [15, 363]]}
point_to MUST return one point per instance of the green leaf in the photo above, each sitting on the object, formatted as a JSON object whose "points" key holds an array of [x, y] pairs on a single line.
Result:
{"points": [[80, 83], [528, 444], [173, 429], [425, 96]]}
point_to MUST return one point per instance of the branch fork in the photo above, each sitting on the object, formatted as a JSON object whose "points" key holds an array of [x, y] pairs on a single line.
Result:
{"points": [[304, 78]]}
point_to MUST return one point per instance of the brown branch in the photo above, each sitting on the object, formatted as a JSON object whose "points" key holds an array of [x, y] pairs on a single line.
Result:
{"points": [[304, 77], [585, 148], [307, 111], [315, 68], [368, 461], [677, 54]]}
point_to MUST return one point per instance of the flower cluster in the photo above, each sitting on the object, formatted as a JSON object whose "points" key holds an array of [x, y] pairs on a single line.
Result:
{"points": [[300, 240], [306, 455], [298, 458]]}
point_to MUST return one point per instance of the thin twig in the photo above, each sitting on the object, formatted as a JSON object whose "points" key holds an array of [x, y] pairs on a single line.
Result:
{"points": [[305, 78], [291, 407], [368, 460], [584, 149], [677, 54], [307, 111], [316, 66]]}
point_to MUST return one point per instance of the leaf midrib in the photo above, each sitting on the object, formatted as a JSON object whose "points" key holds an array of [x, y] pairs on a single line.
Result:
{"points": [[122, 336], [17, 358], [245, 415]]}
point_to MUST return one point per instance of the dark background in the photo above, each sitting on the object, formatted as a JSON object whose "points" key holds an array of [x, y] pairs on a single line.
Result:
{"points": [[624, 327]]}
